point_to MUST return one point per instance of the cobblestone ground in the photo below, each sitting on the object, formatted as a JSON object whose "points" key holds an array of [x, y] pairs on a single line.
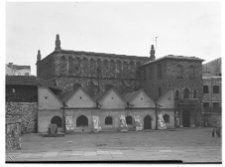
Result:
{"points": [[189, 145]]}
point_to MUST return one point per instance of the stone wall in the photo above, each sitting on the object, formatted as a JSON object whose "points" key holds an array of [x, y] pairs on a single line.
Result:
{"points": [[173, 75], [93, 65], [26, 111], [13, 134], [46, 68], [92, 86]]}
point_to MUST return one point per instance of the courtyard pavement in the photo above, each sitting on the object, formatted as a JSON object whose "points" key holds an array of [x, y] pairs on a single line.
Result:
{"points": [[190, 145]]}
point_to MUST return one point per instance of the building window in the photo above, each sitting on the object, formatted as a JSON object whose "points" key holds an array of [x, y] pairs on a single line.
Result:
{"points": [[129, 120], [186, 93], [26, 74], [159, 70], [216, 104], [205, 104], [195, 94], [216, 89], [177, 94], [180, 71], [108, 120], [205, 89], [166, 118]]}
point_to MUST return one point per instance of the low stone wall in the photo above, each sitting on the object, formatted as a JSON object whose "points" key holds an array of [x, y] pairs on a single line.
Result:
{"points": [[27, 112], [13, 134]]}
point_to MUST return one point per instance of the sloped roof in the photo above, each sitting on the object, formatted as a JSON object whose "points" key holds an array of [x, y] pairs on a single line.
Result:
{"points": [[100, 96], [67, 95], [175, 57], [130, 96], [29, 81]]}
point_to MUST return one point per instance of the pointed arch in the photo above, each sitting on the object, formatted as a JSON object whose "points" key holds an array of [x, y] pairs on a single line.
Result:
{"points": [[186, 93], [82, 121], [177, 94], [166, 118], [57, 120], [195, 94]]}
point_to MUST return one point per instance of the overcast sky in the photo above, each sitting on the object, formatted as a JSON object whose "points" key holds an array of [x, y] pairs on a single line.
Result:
{"points": [[182, 28]]}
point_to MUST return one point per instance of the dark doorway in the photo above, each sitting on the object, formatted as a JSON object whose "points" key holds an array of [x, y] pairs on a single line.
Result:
{"points": [[82, 121], [57, 120], [186, 118], [148, 122]]}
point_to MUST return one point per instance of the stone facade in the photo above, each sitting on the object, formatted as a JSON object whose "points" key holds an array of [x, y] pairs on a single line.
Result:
{"points": [[13, 134], [159, 77], [94, 71], [182, 75]]}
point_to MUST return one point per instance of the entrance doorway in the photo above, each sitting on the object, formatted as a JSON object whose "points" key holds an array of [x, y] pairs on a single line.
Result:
{"points": [[147, 122], [57, 120], [186, 118], [82, 121]]}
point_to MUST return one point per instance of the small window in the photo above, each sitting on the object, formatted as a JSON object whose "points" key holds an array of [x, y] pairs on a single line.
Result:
{"points": [[205, 104], [195, 94], [129, 120], [108, 120], [205, 89], [216, 104], [26, 74], [180, 71], [177, 95], [166, 118], [186, 93], [216, 89]]}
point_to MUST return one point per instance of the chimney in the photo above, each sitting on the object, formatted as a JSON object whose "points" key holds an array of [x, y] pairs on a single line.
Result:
{"points": [[152, 53], [57, 43], [10, 65]]}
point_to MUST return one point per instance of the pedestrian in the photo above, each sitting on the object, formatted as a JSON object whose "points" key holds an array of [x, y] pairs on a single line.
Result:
{"points": [[216, 129]]}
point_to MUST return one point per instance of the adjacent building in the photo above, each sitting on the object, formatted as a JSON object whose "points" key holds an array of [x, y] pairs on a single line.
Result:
{"points": [[12, 69]]}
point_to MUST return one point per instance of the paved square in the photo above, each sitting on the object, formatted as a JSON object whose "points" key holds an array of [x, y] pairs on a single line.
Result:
{"points": [[187, 144]]}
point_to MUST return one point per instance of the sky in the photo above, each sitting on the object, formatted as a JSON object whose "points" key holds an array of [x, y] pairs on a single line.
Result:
{"points": [[181, 28]]}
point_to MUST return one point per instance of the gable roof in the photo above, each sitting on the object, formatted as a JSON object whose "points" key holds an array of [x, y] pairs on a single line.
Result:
{"points": [[53, 94], [131, 95], [161, 97], [101, 96], [29, 81], [67, 95]]}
